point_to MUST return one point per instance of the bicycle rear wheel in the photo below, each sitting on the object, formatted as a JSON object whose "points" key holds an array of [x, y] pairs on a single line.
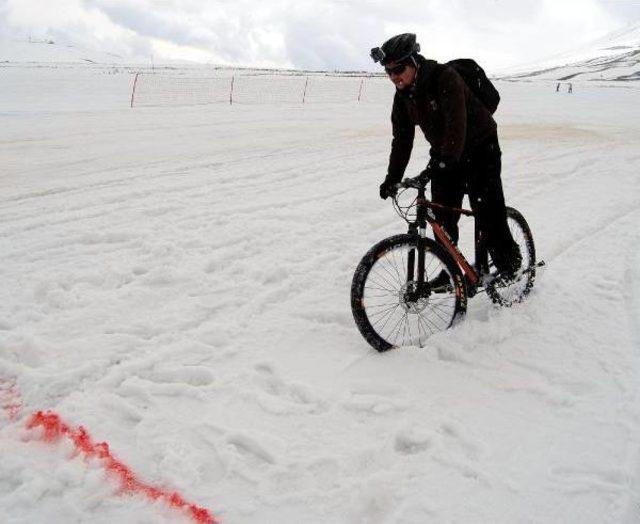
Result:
{"points": [[513, 291], [391, 308]]}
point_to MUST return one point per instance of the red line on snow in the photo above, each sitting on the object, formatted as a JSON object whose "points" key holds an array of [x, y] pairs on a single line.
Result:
{"points": [[54, 429]]}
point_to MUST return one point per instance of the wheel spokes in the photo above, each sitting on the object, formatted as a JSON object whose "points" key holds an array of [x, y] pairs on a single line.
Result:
{"points": [[401, 314]]}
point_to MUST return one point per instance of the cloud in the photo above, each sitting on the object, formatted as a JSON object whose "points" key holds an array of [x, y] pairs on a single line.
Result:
{"points": [[331, 35], [499, 33], [320, 34], [229, 32]]}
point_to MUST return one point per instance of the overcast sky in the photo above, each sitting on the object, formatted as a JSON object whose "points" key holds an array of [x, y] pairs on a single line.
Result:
{"points": [[317, 34]]}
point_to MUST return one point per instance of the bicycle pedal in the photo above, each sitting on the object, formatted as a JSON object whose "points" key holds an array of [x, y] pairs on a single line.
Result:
{"points": [[446, 288], [540, 267]]}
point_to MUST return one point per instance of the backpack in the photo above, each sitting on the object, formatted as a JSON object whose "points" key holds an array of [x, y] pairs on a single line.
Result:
{"points": [[476, 79]]}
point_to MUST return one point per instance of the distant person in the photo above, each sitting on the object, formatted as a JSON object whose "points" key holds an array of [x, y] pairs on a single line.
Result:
{"points": [[465, 155], [570, 87], [558, 87]]}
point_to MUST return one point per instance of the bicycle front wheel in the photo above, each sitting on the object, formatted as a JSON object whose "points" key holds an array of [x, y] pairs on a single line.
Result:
{"points": [[391, 307]]}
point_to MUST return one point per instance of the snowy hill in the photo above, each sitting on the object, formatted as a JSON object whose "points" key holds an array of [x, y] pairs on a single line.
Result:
{"points": [[50, 52], [615, 57]]}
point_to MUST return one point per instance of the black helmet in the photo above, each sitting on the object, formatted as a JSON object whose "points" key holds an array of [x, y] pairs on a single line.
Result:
{"points": [[397, 49]]}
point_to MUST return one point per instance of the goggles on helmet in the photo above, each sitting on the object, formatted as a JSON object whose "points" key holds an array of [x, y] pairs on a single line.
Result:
{"points": [[377, 54]]}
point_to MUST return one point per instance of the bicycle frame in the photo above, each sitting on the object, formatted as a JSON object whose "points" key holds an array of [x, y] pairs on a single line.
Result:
{"points": [[426, 216]]}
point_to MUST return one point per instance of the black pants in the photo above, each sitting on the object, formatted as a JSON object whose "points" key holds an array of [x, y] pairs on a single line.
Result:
{"points": [[479, 176]]}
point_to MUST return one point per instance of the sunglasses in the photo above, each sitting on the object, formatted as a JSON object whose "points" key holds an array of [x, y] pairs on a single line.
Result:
{"points": [[395, 70]]}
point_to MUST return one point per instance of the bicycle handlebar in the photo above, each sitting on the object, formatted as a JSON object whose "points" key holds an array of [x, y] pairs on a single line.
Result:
{"points": [[413, 183]]}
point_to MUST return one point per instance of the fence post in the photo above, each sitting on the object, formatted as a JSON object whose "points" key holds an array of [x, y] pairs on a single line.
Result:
{"points": [[360, 90], [133, 90], [304, 94], [231, 91]]}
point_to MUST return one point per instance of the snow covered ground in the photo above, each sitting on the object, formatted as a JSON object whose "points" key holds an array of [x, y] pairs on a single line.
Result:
{"points": [[177, 280]]}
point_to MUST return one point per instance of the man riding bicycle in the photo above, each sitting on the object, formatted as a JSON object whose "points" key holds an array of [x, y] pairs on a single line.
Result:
{"points": [[465, 155]]}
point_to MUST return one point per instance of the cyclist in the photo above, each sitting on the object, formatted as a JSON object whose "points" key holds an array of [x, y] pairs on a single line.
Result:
{"points": [[465, 155]]}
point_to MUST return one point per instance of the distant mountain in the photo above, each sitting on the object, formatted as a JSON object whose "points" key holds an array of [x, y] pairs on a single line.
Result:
{"points": [[615, 57], [50, 52]]}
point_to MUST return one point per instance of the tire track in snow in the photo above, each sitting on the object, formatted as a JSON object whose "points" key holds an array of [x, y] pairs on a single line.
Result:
{"points": [[599, 228]]}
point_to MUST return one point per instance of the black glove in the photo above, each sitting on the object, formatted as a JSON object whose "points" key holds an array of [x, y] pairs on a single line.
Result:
{"points": [[418, 181], [388, 189]]}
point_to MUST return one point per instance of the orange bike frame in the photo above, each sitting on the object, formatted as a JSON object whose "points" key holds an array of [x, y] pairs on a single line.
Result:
{"points": [[444, 238]]}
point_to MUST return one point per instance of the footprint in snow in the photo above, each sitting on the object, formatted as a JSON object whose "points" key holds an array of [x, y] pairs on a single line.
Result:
{"points": [[280, 398], [248, 446], [139, 270], [196, 376], [375, 400], [581, 480], [413, 441], [5, 325], [454, 437]]}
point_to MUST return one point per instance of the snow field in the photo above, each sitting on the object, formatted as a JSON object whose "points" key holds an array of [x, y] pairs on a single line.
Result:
{"points": [[177, 281]]}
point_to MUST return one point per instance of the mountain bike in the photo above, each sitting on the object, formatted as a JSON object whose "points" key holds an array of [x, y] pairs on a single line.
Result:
{"points": [[408, 287]]}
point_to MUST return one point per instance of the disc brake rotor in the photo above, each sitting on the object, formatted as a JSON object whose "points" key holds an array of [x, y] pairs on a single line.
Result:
{"points": [[412, 304]]}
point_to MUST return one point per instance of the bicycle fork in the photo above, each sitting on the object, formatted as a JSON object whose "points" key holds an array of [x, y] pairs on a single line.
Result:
{"points": [[419, 229]]}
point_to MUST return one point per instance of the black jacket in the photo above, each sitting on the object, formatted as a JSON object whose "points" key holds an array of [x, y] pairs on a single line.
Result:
{"points": [[453, 120]]}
